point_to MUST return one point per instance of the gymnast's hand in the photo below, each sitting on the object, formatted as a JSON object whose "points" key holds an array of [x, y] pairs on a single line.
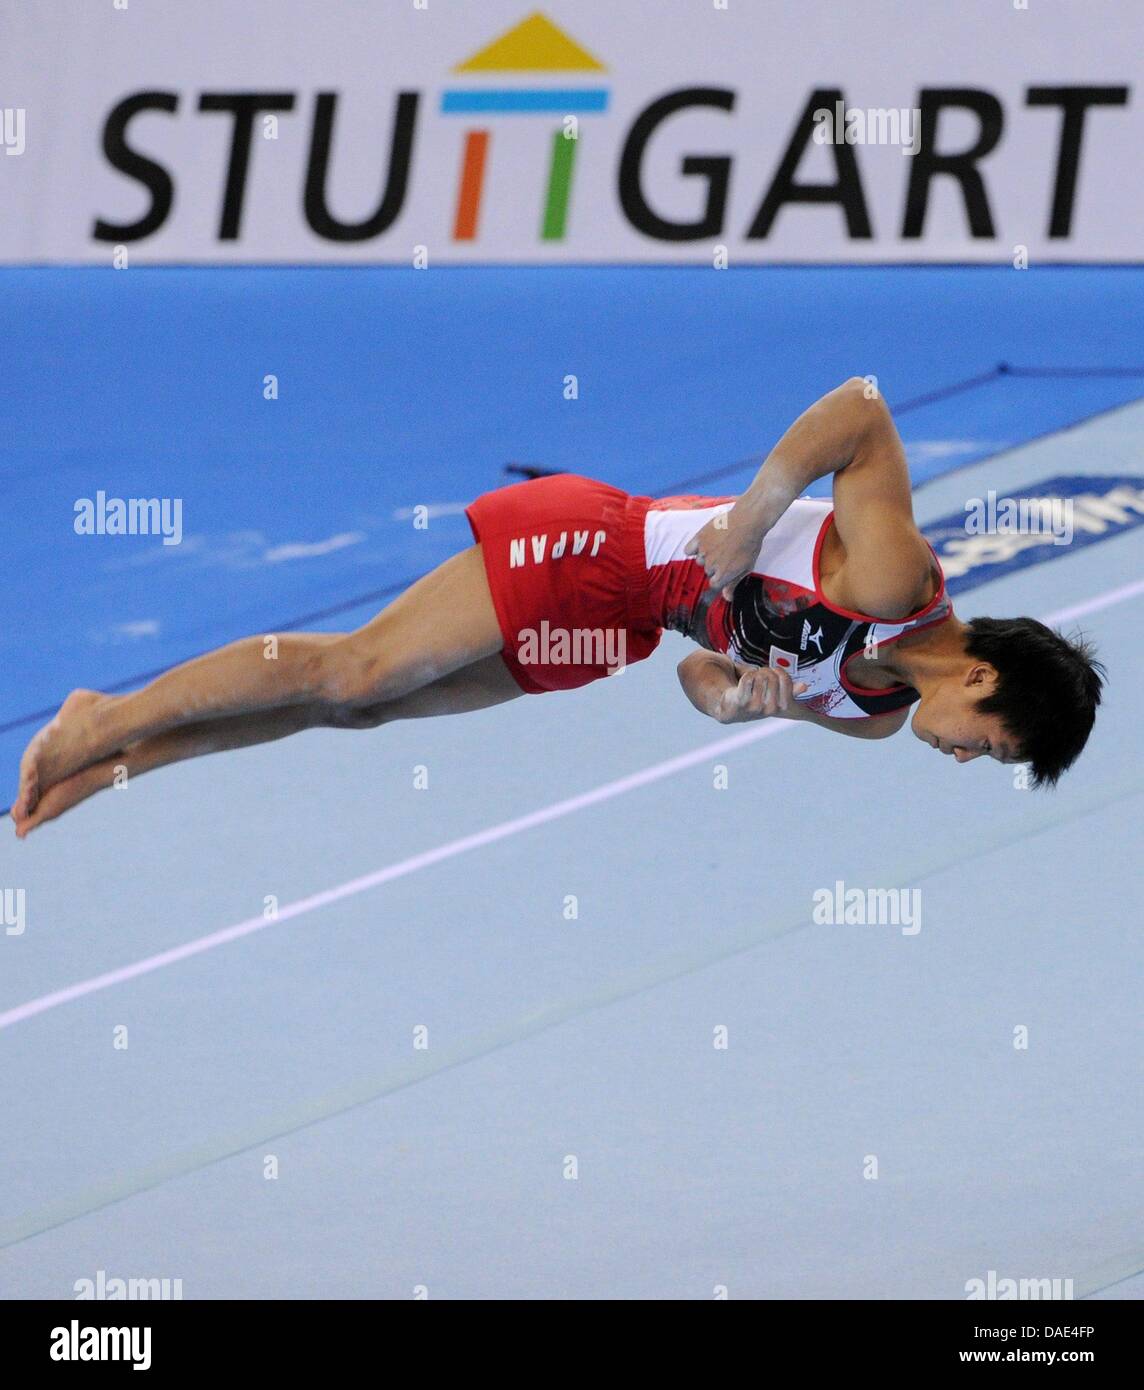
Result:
{"points": [[728, 546], [761, 691]]}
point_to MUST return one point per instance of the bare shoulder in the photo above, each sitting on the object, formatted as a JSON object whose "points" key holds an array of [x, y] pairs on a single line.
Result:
{"points": [[890, 577], [887, 569]]}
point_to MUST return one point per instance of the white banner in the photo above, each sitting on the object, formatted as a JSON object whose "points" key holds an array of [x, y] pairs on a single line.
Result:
{"points": [[705, 131]]}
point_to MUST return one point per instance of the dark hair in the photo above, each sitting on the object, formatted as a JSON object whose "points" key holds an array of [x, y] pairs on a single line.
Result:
{"points": [[1047, 692]]}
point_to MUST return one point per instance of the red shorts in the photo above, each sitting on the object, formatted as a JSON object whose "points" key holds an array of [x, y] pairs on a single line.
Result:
{"points": [[565, 563]]}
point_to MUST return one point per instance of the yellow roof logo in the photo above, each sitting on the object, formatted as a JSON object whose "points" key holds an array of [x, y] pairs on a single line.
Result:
{"points": [[533, 45]]}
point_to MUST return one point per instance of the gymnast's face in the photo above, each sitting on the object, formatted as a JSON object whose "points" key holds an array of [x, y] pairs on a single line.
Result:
{"points": [[948, 718]]}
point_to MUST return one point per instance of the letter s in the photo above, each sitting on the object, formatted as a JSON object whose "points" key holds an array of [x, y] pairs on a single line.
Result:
{"points": [[153, 176]]}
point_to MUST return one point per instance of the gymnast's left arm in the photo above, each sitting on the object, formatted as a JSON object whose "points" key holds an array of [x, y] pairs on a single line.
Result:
{"points": [[733, 694]]}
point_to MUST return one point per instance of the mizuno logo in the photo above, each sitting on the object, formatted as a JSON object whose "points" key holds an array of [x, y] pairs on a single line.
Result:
{"points": [[808, 636]]}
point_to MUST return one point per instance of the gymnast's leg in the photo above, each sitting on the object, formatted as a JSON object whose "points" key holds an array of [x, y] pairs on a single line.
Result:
{"points": [[479, 686], [443, 623]]}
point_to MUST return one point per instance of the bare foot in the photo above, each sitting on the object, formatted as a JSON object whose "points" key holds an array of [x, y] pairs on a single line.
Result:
{"points": [[55, 752], [62, 796]]}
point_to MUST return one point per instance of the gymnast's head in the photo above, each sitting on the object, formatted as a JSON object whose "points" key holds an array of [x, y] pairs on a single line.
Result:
{"points": [[1023, 694]]}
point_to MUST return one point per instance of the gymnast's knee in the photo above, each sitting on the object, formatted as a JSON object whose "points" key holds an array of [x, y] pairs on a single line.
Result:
{"points": [[357, 716], [359, 681]]}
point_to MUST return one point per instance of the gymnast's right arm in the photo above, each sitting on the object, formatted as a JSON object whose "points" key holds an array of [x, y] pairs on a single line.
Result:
{"points": [[827, 438]]}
